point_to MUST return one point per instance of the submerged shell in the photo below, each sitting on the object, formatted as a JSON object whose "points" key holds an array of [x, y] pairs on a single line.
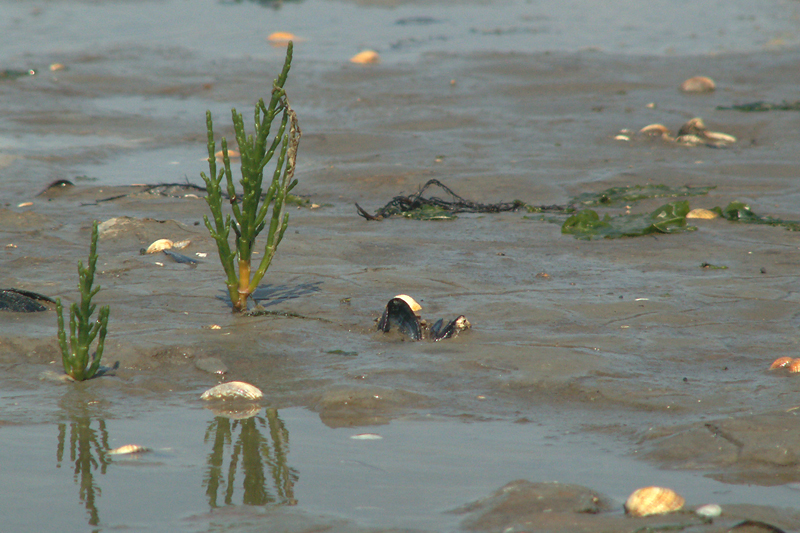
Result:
{"points": [[366, 57], [159, 245], [698, 84], [701, 213], [233, 390], [652, 501], [781, 362], [128, 449]]}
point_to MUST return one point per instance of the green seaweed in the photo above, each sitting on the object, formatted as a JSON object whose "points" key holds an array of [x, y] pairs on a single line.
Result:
{"points": [[635, 193], [760, 107], [669, 218], [75, 355], [740, 212]]}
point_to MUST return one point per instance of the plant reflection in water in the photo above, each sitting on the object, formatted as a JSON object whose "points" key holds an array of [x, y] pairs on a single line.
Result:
{"points": [[256, 452], [87, 452]]}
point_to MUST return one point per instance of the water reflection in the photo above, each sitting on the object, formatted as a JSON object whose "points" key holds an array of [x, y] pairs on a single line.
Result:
{"points": [[255, 448], [87, 454]]}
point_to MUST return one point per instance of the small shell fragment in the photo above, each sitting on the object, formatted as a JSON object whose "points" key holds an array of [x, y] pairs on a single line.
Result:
{"points": [[698, 84], [702, 213], [233, 390], [781, 362], [54, 67], [25, 204], [232, 154], [128, 449], [709, 510], [281, 38], [159, 245], [366, 57], [653, 501]]}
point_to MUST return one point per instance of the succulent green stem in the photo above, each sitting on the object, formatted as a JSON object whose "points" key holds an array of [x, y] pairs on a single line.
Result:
{"points": [[249, 211], [75, 357]]}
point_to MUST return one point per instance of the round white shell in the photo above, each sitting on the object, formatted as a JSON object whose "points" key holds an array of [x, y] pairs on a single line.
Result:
{"points": [[710, 510], [233, 390]]}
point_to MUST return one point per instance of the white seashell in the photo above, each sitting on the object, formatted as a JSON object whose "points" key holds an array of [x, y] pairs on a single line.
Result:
{"points": [[621, 137], [653, 500], [366, 436], [366, 57], [128, 449], [159, 245], [233, 390], [180, 245], [698, 84], [701, 213], [709, 510]]}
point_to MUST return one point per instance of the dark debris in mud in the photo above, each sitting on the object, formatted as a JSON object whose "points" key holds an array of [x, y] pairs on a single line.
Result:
{"points": [[419, 207]]}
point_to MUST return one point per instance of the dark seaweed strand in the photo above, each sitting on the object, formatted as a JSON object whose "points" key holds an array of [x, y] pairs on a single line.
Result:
{"points": [[402, 204]]}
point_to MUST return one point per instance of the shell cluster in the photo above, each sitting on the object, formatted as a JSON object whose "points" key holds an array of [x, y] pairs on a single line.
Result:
{"points": [[792, 365], [692, 133], [233, 390], [402, 314], [649, 501]]}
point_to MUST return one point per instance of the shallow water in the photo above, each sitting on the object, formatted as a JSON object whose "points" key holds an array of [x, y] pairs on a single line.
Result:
{"points": [[627, 365]]}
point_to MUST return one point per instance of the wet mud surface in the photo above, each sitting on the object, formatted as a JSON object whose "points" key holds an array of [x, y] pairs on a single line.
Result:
{"points": [[628, 344]]}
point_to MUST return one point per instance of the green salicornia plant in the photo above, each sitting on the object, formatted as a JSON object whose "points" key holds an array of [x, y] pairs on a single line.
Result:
{"points": [[82, 332], [250, 209]]}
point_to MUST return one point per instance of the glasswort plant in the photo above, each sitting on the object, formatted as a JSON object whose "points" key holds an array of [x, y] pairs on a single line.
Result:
{"points": [[75, 356], [249, 218]]}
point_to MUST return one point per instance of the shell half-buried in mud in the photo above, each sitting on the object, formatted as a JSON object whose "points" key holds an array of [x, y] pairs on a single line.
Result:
{"points": [[400, 314], [653, 501], [233, 390], [781, 362], [698, 84]]}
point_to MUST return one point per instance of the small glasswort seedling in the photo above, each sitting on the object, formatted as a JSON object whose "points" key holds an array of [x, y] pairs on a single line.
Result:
{"points": [[249, 218], [75, 356]]}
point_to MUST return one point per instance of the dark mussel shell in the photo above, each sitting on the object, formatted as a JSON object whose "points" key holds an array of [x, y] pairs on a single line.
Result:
{"points": [[400, 315], [452, 328], [22, 301]]}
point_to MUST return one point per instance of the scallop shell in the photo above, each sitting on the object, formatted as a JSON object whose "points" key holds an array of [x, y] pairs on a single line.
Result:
{"points": [[698, 84], [159, 245], [701, 213], [653, 500], [233, 390], [781, 362], [794, 366], [128, 449], [366, 57], [412, 303]]}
